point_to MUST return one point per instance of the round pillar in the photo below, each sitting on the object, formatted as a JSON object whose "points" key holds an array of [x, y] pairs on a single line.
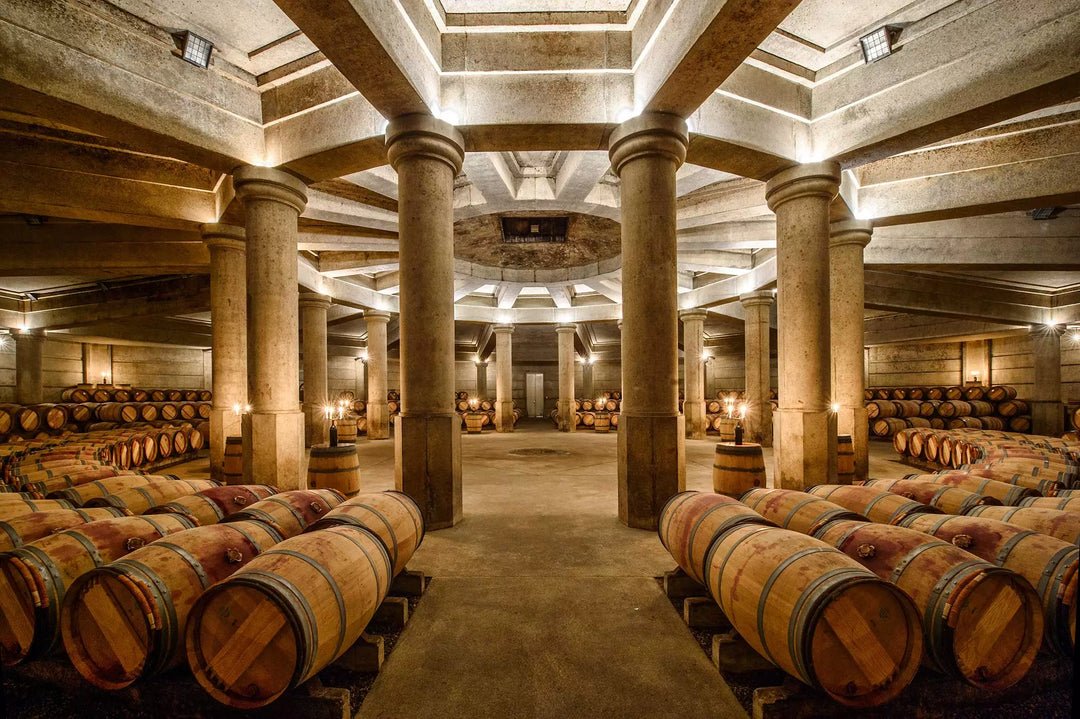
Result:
{"points": [[847, 239], [228, 324], [757, 307], [645, 153], [427, 154], [274, 438], [313, 309], [378, 414], [1047, 415], [504, 391], [694, 372], [567, 355], [29, 351], [805, 435]]}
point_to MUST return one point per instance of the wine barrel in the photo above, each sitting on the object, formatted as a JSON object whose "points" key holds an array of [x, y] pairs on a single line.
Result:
{"points": [[140, 395], [74, 394], [690, 521], [845, 459], [797, 511], [880, 408], [50, 416], [73, 478], [1057, 523], [335, 468], [188, 411], [290, 513], [974, 393], [980, 408], [816, 613], [11, 510], [474, 422], [737, 468], [611, 405], [614, 419], [1048, 484], [1007, 494], [174, 395], [310, 597], [139, 500], [954, 393], [81, 494], [1049, 565], [887, 427], [23, 419], [907, 408], [588, 419], [233, 472], [126, 620], [1020, 423], [900, 442], [37, 576], [602, 422], [928, 408], [463, 405], [951, 500], [33, 526], [148, 412], [964, 422], [117, 412], [346, 430], [935, 393], [981, 623], [1000, 393], [1067, 504], [1012, 408], [876, 504], [392, 516], [954, 408], [210, 506]]}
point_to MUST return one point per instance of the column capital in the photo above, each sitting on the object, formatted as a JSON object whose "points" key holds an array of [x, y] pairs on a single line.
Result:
{"points": [[820, 179], [480, 362], [268, 183], [757, 298], [30, 333], [850, 232], [314, 299], [427, 136], [229, 237], [565, 328], [696, 313], [377, 316], [650, 133], [503, 329]]}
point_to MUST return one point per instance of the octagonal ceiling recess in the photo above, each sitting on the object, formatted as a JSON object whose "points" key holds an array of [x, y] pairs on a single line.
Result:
{"points": [[589, 239]]}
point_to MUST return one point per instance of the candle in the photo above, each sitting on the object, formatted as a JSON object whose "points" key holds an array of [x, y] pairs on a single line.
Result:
{"points": [[247, 408], [236, 408], [742, 411]]}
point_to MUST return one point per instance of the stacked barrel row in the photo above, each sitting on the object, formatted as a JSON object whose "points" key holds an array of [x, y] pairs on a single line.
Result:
{"points": [[974, 410], [483, 414], [255, 591], [42, 420], [124, 393], [356, 409], [805, 579], [1008, 451], [720, 413]]}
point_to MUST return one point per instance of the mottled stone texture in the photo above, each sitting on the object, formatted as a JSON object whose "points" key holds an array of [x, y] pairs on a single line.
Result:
{"points": [[29, 346], [694, 372], [759, 423], [228, 316], [805, 426], [566, 377], [378, 414], [846, 295], [504, 399], [427, 155], [645, 153], [313, 309], [589, 238], [1047, 415]]}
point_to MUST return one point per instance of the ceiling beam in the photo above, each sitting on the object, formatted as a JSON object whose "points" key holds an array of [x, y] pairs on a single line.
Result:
{"points": [[174, 296], [120, 258]]}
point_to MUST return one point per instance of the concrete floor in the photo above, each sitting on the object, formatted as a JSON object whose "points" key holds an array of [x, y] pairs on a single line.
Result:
{"points": [[543, 604]]}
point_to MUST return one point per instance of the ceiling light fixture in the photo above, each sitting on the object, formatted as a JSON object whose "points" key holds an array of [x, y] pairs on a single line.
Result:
{"points": [[196, 49], [1045, 213], [878, 44]]}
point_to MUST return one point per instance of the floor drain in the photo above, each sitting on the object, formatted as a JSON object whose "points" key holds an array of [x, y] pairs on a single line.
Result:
{"points": [[537, 452]]}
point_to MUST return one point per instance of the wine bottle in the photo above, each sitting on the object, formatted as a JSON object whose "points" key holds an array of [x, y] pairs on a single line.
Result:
{"points": [[738, 432]]}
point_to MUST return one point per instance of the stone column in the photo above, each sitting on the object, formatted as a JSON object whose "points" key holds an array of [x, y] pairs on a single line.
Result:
{"points": [[481, 379], [29, 346], [274, 440], [427, 155], [805, 433], [758, 366], [566, 377], [847, 239], [1047, 415], [313, 307], [378, 414], [645, 152], [360, 379], [587, 388], [694, 372], [504, 376], [228, 321]]}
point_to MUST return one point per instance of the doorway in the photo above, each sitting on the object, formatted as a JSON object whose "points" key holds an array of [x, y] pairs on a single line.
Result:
{"points": [[534, 394]]}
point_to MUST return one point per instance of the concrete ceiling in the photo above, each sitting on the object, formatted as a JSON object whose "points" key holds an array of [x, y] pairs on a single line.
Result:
{"points": [[946, 144]]}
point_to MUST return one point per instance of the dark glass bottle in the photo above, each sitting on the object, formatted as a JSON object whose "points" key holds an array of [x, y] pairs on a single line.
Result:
{"points": [[738, 432], [333, 434]]}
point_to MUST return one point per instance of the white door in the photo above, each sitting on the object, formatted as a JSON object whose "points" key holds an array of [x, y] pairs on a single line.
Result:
{"points": [[534, 394]]}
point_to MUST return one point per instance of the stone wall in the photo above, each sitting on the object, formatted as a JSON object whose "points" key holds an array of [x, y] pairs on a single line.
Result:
{"points": [[61, 367], [154, 367], [915, 364]]}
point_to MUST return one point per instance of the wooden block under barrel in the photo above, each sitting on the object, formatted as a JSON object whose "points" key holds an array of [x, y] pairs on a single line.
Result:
{"points": [[680, 585], [408, 584], [367, 654], [393, 613], [704, 613], [738, 660]]}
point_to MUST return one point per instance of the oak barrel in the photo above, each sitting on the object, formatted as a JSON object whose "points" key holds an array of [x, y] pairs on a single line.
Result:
{"points": [[690, 521], [73, 477], [1069, 504], [290, 513], [1057, 523], [346, 430], [845, 459], [876, 504], [602, 422], [474, 422], [798, 511], [81, 494], [210, 506], [737, 468], [309, 598], [393, 516], [11, 510], [31, 527], [233, 472], [1049, 565], [126, 620], [335, 468], [37, 576], [1007, 494], [981, 623], [951, 500], [816, 613], [138, 500]]}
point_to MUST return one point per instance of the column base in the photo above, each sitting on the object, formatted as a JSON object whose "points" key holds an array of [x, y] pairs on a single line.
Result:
{"points": [[504, 415], [378, 421], [427, 466], [760, 430], [805, 448], [853, 421], [695, 419], [1047, 417], [316, 428], [274, 449], [652, 466], [223, 423], [567, 420]]}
